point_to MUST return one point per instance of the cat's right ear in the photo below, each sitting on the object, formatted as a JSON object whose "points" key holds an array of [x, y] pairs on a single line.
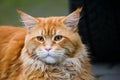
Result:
{"points": [[28, 20], [72, 20]]}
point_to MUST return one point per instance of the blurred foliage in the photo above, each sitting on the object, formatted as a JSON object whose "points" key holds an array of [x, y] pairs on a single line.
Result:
{"points": [[41, 8]]}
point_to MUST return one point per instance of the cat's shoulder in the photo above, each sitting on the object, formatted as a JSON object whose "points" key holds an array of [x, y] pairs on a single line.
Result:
{"points": [[10, 34], [11, 39], [7, 31], [11, 29]]}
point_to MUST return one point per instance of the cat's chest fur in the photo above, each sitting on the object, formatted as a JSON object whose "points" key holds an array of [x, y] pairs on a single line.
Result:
{"points": [[68, 70], [53, 73]]}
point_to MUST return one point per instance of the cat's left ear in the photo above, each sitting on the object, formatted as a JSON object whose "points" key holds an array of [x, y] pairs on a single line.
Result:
{"points": [[72, 19], [28, 20]]}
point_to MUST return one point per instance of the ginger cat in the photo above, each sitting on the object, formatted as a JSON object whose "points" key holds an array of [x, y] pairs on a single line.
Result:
{"points": [[46, 49]]}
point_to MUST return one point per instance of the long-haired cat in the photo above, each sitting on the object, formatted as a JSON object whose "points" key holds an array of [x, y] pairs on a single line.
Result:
{"points": [[46, 49]]}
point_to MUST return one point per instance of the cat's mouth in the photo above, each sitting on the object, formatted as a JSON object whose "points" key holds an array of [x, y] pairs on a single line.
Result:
{"points": [[48, 58], [51, 57], [48, 55]]}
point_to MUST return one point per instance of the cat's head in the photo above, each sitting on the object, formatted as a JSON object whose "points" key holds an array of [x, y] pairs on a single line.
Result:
{"points": [[52, 39]]}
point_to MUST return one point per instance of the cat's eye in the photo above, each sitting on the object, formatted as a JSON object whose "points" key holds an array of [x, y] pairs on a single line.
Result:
{"points": [[58, 38], [40, 38]]}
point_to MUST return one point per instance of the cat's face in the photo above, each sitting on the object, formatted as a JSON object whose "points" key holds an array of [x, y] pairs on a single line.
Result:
{"points": [[53, 39], [49, 43]]}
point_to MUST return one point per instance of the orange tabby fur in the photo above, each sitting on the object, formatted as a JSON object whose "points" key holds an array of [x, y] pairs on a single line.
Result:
{"points": [[18, 48]]}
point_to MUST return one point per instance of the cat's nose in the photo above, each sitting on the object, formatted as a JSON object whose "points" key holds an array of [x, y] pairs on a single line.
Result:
{"points": [[48, 49]]}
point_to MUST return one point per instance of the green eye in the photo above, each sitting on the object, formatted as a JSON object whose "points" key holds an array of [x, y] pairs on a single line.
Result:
{"points": [[58, 38], [40, 38]]}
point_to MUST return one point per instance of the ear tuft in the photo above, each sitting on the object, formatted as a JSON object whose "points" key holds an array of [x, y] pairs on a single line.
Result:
{"points": [[28, 20], [72, 19], [19, 12]]}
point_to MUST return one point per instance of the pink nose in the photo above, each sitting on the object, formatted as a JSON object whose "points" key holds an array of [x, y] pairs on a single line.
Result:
{"points": [[48, 49]]}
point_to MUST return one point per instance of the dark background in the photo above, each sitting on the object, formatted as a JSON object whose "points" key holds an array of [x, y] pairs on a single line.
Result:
{"points": [[99, 27]]}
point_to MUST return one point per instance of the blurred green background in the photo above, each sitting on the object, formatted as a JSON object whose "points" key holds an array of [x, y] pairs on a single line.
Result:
{"points": [[37, 8]]}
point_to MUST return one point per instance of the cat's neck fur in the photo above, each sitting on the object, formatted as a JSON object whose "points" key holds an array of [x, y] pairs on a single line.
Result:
{"points": [[68, 70]]}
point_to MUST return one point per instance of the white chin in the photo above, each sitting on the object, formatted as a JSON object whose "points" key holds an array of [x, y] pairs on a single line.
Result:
{"points": [[50, 60]]}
